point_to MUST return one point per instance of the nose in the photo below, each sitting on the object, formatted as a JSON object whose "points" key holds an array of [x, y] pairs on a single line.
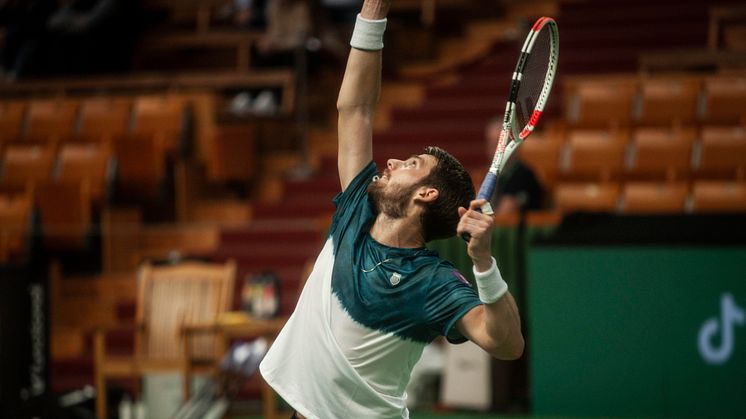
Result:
{"points": [[393, 164]]}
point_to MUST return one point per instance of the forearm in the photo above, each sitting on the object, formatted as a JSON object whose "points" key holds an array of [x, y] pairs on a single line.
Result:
{"points": [[357, 99], [502, 323], [362, 80]]}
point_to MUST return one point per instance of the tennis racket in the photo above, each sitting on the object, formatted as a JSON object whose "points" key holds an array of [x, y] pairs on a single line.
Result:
{"points": [[529, 91]]}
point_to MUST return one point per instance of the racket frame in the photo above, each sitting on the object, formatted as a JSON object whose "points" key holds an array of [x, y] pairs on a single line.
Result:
{"points": [[509, 131]]}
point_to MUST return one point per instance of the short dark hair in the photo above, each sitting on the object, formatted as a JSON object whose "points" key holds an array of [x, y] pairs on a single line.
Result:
{"points": [[455, 189]]}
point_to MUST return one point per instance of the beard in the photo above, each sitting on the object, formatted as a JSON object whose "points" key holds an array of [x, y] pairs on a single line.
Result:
{"points": [[393, 204]]}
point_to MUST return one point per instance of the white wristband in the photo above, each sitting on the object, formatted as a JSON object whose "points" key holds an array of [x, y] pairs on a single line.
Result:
{"points": [[368, 34], [490, 284]]}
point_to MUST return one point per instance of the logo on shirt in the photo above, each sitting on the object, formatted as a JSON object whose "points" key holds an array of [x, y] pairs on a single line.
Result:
{"points": [[460, 277], [395, 278]]}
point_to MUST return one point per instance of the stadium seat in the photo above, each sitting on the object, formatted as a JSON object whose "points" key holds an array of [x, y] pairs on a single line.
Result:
{"points": [[661, 152], [105, 117], [542, 154], [140, 164], [594, 155], [722, 153], [652, 197], [667, 101], [65, 210], [724, 100], [15, 222], [601, 103], [164, 116], [51, 119], [86, 162], [11, 120], [588, 197], [723, 197], [25, 164]]}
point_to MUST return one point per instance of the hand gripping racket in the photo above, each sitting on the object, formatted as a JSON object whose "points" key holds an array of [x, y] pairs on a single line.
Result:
{"points": [[529, 90]]}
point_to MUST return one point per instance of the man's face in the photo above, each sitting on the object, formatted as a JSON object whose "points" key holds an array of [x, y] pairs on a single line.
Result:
{"points": [[393, 191]]}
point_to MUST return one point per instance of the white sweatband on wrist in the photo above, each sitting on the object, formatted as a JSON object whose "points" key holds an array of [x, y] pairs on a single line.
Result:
{"points": [[490, 284], [368, 34]]}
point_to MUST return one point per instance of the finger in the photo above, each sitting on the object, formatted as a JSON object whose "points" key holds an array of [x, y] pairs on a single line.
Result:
{"points": [[477, 204], [461, 211]]}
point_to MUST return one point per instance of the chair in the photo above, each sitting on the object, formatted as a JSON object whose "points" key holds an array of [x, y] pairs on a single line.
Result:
{"points": [[542, 154], [11, 119], [713, 196], [50, 120], [104, 117], [160, 115], [661, 152], [25, 164], [601, 103], [654, 198], [65, 210], [169, 298], [594, 155], [590, 197], [231, 154], [668, 101], [722, 152], [724, 100], [141, 165], [15, 222], [88, 162]]}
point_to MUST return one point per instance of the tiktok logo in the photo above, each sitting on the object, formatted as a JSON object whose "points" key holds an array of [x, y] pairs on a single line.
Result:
{"points": [[731, 315]]}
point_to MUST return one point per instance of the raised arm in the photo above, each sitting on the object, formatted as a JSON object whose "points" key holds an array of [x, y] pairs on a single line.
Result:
{"points": [[357, 101], [495, 325]]}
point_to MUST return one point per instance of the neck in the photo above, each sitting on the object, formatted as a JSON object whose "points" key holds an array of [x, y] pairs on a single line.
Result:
{"points": [[398, 232]]}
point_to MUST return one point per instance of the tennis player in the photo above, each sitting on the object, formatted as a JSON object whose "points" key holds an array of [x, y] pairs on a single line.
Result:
{"points": [[377, 296]]}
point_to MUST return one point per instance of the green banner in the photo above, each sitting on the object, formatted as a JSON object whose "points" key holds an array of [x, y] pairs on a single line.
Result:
{"points": [[637, 331]]}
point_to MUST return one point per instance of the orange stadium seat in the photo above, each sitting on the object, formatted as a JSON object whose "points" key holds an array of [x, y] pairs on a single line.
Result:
{"points": [[651, 197], [668, 101], [85, 162], [601, 103], [591, 197], [659, 152], [51, 119], [65, 210], [25, 164], [160, 115], [594, 154], [104, 117], [722, 152], [11, 120], [724, 100], [542, 154], [141, 165], [15, 222], [713, 196]]}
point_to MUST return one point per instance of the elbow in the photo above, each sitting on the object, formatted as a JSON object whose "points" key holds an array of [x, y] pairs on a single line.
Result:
{"points": [[511, 349]]}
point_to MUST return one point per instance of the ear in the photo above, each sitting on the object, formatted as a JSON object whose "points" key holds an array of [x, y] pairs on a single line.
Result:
{"points": [[426, 194]]}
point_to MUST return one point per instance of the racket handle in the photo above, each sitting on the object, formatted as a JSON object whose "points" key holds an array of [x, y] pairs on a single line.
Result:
{"points": [[488, 187], [485, 192]]}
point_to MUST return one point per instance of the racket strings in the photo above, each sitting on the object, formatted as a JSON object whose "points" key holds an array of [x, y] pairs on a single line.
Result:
{"points": [[533, 78]]}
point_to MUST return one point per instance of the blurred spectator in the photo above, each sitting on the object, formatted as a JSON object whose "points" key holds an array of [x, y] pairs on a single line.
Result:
{"points": [[25, 33], [518, 188]]}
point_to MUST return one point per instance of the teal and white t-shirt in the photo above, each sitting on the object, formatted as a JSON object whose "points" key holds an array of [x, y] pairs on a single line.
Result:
{"points": [[363, 319]]}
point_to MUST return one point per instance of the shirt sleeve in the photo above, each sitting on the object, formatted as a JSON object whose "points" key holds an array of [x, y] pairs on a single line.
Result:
{"points": [[450, 297]]}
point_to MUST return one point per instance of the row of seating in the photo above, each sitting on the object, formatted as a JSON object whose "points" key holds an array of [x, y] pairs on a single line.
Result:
{"points": [[713, 152], [633, 100], [93, 119], [651, 197]]}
